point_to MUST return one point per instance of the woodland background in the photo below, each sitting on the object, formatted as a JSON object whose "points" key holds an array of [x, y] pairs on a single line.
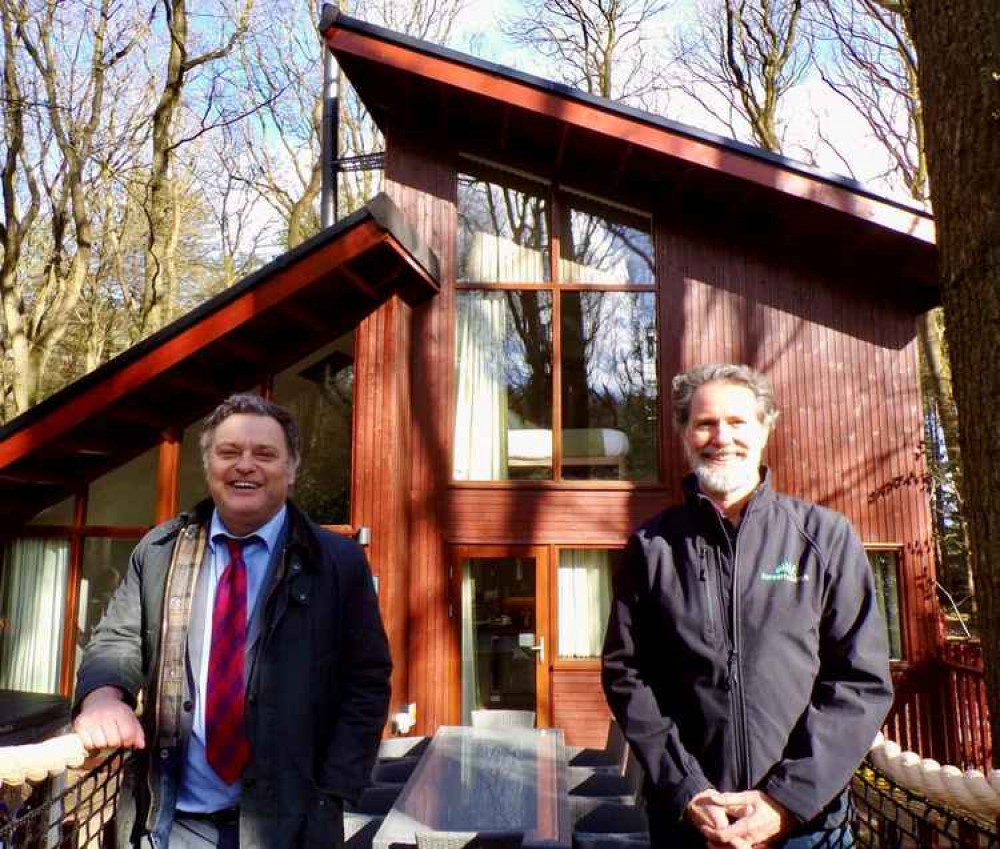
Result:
{"points": [[155, 152]]}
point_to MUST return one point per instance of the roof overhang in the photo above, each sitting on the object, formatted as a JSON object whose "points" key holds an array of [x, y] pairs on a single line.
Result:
{"points": [[490, 110], [266, 322]]}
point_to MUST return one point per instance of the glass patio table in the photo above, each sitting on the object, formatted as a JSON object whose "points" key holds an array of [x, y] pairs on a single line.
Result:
{"points": [[485, 779]]}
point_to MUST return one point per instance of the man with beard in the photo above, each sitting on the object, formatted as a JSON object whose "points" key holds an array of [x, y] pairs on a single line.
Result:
{"points": [[745, 657]]}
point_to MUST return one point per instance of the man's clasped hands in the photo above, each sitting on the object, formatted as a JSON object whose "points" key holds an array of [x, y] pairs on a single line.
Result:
{"points": [[739, 820]]}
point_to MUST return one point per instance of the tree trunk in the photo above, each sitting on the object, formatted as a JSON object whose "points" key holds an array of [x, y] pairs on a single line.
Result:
{"points": [[958, 44], [160, 283]]}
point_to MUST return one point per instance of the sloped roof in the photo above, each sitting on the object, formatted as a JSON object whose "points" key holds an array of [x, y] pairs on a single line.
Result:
{"points": [[260, 325], [486, 109]]}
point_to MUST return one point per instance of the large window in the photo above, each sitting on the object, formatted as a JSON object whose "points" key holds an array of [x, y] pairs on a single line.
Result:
{"points": [[556, 342], [885, 569]]}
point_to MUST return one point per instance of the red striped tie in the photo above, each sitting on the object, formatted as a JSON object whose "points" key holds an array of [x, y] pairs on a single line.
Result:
{"points": [[228, 749]]}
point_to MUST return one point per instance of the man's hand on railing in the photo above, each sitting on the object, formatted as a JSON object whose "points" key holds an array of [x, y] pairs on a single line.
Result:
{"points": [[105, 721]]}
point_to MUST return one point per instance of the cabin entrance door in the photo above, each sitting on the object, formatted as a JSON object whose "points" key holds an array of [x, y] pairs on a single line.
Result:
{"points": [[503, 611]]}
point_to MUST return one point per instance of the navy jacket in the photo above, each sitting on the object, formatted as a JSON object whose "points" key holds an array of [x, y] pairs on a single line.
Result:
{"points": [[760, 664], [316, 701]]}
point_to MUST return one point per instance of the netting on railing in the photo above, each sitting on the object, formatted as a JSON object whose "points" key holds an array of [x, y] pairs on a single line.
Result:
{"points": [[74, 810], [82, 816], [888, 816]]}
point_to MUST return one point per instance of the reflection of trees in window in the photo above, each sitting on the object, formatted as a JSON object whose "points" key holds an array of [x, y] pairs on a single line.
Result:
{"points": [[503, 233], [598, 250], [529, 358], [609, 375], [320, 393]]}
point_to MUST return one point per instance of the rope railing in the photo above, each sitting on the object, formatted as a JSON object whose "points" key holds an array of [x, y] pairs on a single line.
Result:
{"points": [[52, 808], [973, 791], [886, 815], [899, 800], [36, 762]]}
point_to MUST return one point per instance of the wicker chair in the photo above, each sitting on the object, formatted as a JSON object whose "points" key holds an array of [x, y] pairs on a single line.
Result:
{"points": [[376, 801], [609, 759], [503, 719], [591, 783], [393, 771], [469, 839], [404, 747], [359, 829], [598, 824]]}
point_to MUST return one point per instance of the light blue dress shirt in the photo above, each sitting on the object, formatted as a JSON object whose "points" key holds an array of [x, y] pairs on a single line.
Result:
{"points": [[200, 788]]}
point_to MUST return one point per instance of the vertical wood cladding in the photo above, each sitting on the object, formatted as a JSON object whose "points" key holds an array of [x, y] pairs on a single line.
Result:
{"points": [[381, 461], [578, 706], [423, 186], [843, 361]]}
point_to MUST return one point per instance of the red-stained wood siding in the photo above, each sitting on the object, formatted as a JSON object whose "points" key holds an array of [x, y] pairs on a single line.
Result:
{"points": [[381, 463], [843, 360], [422, 184], [578, 706]]}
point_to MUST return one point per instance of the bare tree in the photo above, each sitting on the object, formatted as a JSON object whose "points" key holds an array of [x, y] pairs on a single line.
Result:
{"points": [[160, 291], [600, 46], [738, 61], [280, 146], [67, 111], [870, 62]]}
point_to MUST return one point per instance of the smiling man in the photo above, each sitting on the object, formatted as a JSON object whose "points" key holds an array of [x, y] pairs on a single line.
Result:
{"points": [[745, 657], [254, 640]]}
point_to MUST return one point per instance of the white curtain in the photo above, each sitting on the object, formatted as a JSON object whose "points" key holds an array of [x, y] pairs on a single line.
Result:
{"points": [[470, 682], [481, 396], [584, 601], [32, 609], [494, 259]]}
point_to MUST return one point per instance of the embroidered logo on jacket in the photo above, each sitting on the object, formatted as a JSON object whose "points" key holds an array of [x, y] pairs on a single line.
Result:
{"points": [[785, 571]]}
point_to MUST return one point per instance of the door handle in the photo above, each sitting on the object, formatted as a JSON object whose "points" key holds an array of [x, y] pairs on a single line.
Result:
{"points": [[539, 649]]}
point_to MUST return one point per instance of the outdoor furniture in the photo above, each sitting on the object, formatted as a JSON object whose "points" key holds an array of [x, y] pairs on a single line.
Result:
{"points": [[394, 770], [503, 719], [589, 783], [376, 801], [404, 747], [598, 824], [484, 781], [360, 829], [609, 759], [469, 839]]}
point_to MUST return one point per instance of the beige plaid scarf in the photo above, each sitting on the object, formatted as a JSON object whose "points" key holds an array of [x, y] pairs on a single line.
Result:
{"points": [[189, 552]]}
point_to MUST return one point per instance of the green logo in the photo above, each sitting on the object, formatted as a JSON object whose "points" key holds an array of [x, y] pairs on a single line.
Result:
{"points": [[785, 571]]}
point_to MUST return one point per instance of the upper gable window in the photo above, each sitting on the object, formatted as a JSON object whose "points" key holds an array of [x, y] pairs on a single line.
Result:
{"points": [[604, 246], [556, 342], [502, 233]]}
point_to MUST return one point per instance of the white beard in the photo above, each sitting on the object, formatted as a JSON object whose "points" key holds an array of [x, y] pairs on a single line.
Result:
{"points": [[739, 474]]}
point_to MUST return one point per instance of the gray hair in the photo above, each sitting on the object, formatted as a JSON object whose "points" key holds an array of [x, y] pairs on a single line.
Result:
{"points": [[685, 384], [250, 404]]}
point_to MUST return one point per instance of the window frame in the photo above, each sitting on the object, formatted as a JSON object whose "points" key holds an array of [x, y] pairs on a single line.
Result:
{"points": [[559, 198], [559, 662]]}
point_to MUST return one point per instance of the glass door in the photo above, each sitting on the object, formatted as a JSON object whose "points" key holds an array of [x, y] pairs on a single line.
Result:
{"points": [[505, 648]]}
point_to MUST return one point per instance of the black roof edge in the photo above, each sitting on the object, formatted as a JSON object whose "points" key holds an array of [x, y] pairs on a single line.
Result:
{"points": [[332, 16], [380, 209]]}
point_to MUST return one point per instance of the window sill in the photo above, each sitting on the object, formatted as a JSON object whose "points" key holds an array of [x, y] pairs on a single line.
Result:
{"points": [[619, 486]]}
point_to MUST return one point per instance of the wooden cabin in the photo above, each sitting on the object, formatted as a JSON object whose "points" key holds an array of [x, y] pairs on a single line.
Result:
{"points": [[499, 420]]}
